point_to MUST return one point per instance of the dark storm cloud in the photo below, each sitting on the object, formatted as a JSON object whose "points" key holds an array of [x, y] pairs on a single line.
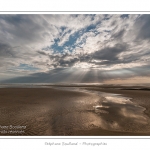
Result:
{"points": [[64, 60], [22, 27], [119, 34], [6, 50], [143, 26], [68, 63], [57, 60], [124, 16], [110, 53], [27, 30], [42, 53]]}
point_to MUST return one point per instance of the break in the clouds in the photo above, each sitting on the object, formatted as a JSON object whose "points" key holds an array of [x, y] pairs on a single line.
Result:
{"points": [[74, 48]]}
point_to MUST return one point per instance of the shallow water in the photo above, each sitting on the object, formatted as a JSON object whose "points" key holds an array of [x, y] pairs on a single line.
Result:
{"points": [[109, 111]]}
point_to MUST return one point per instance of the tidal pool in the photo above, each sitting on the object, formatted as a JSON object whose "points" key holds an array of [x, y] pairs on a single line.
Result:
{"points": [[109, 111]]}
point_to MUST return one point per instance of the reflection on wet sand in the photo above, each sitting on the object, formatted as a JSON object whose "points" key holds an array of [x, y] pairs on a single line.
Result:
{"points": [[110, 112], [119, 113], [49, 111]]}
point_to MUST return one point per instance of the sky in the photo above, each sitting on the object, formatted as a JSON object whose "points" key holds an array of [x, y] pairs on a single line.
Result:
{"points": [[75, 48]]}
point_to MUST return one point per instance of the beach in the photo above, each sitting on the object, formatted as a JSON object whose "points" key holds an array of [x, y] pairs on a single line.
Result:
{"points": [[74, 111]]}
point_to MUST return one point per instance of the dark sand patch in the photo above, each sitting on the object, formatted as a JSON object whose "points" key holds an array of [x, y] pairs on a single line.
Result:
{"points": [[45, 111]]}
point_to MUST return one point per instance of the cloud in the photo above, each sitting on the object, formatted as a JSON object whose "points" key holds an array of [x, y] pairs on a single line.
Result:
{"points": [[142, 25], [81, 75], [49, 42], [6, 50], [110, 53]]}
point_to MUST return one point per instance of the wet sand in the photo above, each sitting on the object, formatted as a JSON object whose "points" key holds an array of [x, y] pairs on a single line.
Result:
{"points": [[139, 96], [45, 111], [48, 111], [131, 122]]}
